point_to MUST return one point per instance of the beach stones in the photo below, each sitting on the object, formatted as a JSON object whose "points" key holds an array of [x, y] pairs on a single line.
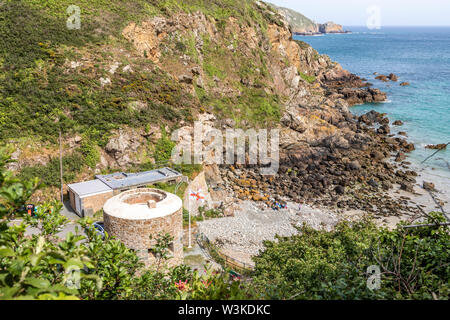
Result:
{"points": [[408, 187], [429, 186], [384, 129], [377, 155], [372, 183], [400, 157], [354, 165]]}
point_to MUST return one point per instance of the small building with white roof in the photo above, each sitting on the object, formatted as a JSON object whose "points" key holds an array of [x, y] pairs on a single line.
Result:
{"points": [[88, 197]]}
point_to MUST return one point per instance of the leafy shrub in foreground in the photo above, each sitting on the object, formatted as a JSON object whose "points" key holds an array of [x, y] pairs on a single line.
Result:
{"points": [[414, 263]]}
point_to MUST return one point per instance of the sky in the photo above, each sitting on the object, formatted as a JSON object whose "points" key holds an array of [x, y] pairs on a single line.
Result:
{"points": [[387, 12]]}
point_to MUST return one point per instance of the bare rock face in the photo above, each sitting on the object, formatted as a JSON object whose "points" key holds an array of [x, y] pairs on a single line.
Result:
{"points": [[145, 38], [294, 121], [124, 146]]}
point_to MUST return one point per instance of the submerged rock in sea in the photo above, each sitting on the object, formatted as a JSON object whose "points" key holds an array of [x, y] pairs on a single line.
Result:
{"points": [[397, 123], [393, 77], [382, 77], [404, 84], [441, 146]]}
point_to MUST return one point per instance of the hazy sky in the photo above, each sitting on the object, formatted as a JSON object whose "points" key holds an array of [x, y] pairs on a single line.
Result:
{"points": [[392, 12]]}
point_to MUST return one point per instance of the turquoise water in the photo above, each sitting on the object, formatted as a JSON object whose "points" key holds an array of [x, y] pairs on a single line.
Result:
{"points": [[417, 55]]}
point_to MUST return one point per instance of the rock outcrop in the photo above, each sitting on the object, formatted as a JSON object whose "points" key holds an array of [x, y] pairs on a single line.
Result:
{"points": [[330, 27]]}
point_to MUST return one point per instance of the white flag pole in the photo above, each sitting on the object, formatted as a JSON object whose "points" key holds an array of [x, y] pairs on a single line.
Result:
{"points": [[189, 213]]}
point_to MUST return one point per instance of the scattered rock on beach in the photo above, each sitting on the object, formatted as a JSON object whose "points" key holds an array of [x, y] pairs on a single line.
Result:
{"points": [[384, 129], [406, 187], [400, 157], [429, 186]]}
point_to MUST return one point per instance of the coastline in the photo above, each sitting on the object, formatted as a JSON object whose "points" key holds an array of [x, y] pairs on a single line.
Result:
{"points": [[312, 34]]}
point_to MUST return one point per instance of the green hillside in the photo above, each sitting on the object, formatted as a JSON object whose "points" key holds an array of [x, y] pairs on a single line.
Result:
{"points": [[298, 22], [39, 93]]}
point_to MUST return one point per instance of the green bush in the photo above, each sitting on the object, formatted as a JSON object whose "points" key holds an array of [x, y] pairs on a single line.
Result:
{"points": [[90, 151], [163, 148], [49, 174], [309, 79], [414, 263]]}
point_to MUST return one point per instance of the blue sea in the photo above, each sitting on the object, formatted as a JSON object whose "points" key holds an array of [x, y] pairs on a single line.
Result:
{"points": [[418, 55]]}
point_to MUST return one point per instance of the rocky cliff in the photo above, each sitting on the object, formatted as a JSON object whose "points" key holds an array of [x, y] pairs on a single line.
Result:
{"points": [[118, 88]]}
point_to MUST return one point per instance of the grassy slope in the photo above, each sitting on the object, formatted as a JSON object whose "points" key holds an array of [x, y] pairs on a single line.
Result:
{"points": [[37, 96], [40, 94]]}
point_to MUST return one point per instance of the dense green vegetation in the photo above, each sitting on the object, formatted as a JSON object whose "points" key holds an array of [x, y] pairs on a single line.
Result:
{"points": [[40, 94], [163, 148], [49, 174], [414, 263]]}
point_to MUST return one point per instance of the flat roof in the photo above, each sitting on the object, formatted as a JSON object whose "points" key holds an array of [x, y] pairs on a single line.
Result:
{"points": [[89, 187], [121, 180]]}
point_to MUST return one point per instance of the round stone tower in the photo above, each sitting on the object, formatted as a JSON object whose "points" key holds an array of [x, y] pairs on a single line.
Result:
{"points": [[135, 215]]}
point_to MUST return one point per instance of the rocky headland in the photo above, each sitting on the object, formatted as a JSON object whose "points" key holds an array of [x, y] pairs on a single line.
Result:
{"points": [[301, 25]]}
